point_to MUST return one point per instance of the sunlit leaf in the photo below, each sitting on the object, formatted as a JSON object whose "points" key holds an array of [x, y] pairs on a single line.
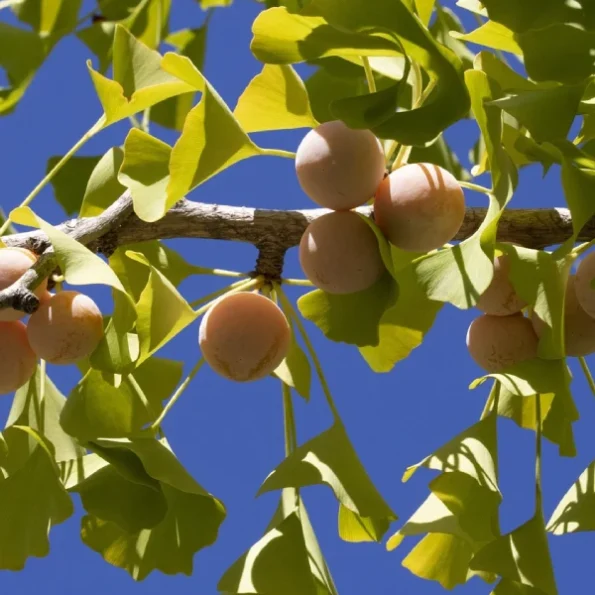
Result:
{"points": [[103, 188], [139, 79], [522, 556], [275, 99], [51, 19], [32, 498], [350, 318], [493, 35], [576, 510], [331, 460], [145, 171]]}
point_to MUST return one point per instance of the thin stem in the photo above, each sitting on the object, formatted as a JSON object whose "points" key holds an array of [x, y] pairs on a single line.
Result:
{"points": [[475, 187], [587, 374], [242, 285], [297, 282], [369, 74], [141, 394], [288, 421], [578, 250], [538, 464], [41, 396], [146, 121], [50, 175], [157, 423], [225, 273], [278, 153], [134, 121], [289, 309]]}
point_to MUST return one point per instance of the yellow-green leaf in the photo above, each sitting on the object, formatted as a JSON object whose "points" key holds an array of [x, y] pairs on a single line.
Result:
{"points": [[493, 35]]}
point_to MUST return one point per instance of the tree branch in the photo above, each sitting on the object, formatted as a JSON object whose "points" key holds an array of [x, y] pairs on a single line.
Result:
{"points": [[272, 232]]}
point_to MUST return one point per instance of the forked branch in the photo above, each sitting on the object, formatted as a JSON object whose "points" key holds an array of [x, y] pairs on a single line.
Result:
{"points": [[272, 232]]}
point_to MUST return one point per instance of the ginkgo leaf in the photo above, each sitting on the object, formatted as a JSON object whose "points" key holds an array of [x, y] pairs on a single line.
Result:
{"points": [[460, 274], [145, 172], [493, 35], [295, 369], [522, 556], [211, 140], [103, 188], [162, 311], [20, 67], [275, 99], [32, 498], [331, 460], [191, 521], [403, 325], [139, 79], [38, 405], [71, 181], [98, 407], [473, 452], [350, 318], [51, 19], [118, 350], [576, 510]]}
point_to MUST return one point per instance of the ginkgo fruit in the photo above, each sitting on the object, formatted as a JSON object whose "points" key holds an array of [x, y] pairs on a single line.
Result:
{"points": [[419, 207], [498, 342], [500, 298], [14, 263], [244, 336], [17, 359], [339, 253], [579, 327], [339, 168], [585, 275], [66, 328]]}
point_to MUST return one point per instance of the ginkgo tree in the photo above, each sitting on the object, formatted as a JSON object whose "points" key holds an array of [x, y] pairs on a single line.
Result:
{"points": [[397, 73]]}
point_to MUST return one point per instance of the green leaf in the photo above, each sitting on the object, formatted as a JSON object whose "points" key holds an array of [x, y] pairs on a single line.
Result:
{"points": [[162, 311], [191, 521], [402, 326], [139, 79], [134, 275], [211, 140], [576, 510], [522, 556], [51, 19], [71, 181], [277, 563], [442, 155], [19, 67], [145, 171], [275, 99], [117, 351], [38, 405], [492, 35], [100, 407], [443, 28], [103, 188], [281, 37], [295, 369], [460, 274], [352, 318], [331, 460], [32, 498], [191, 43], [547, 113]]}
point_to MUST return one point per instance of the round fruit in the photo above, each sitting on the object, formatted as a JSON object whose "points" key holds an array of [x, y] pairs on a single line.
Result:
{"points": [[500, 298], [585, 274], [66, 328], [498, 342], [339, 253], [14, 263], [17, 360], [419, 207], [579, 327], [339, 168], [244, 336]]}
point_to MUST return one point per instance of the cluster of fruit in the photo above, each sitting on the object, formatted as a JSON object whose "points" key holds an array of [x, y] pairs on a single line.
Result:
{"points": [[418, 207], [503, 336], [66, 328]]}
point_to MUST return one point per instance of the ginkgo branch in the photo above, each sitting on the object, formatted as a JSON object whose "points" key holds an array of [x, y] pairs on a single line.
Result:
{"points": [[272, 232]]}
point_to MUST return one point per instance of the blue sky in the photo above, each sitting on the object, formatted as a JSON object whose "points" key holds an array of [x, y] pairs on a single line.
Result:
{"points": [[231, 436]]}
